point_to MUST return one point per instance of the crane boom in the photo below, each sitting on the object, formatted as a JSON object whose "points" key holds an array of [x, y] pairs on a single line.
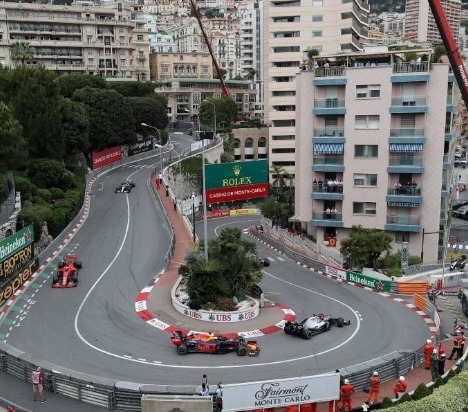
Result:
{"points": [[451, 47], [224, 89]]}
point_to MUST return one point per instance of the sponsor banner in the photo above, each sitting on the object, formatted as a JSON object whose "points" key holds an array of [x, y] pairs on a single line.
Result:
{"points": [[16, 262], [225, 175], [213, 214], [239, 212], [367, 281], [9, 290], [333, 271], [106, 157], [139, 147], [16, 242], [281, 392], [231, 194]]}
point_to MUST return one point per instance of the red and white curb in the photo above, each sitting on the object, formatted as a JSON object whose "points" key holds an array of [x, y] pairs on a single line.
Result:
{"points": [[141, 308], [11, 301]]}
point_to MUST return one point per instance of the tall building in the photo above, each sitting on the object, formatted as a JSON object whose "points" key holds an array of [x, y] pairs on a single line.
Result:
{"points": [[375, 144], [110, 41], [420, 24], [292, 28]]}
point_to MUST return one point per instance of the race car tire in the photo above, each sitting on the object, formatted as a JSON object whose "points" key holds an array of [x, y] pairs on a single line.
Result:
{"points": [[182, 350], [78, 264], [288, 329], [307, 334], [55, 279], [340, 322], [61, 264], [242, 351], [74, 279]]}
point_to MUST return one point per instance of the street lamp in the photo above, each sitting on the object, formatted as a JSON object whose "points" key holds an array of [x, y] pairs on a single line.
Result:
{"points": [[160, 147], [193, 218]]}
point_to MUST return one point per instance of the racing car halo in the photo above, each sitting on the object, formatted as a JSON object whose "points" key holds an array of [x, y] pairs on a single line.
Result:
{"points": [[207, 343], [314, 325]]}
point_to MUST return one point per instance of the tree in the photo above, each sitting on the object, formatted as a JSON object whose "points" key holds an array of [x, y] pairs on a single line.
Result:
{"points": [[311, 54], [33, 96], [110, 118], [278, 173], [133, 88], [225, 108], [13, 149], [365, 246], [251, 73], [69, 84], [149, 111], [75, 126], [46, 173], [22, 51]]}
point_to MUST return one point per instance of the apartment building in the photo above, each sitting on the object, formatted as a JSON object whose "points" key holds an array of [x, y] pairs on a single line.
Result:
{"points": [[79, 38], [420, 24], [376, 137], [292, 27]]}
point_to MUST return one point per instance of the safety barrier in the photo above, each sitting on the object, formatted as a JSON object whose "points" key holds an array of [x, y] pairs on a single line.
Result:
{"points": [[411, 288]]}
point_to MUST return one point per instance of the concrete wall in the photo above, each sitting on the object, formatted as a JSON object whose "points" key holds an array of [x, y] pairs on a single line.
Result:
{"points": [[181, 403]]}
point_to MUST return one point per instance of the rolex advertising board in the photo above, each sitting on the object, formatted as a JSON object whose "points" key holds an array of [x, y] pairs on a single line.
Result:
{"points": [[228, 182]]}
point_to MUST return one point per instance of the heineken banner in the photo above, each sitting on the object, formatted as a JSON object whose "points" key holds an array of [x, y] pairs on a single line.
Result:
{"points": [[16, 242], [228, 182], [368, 281]]}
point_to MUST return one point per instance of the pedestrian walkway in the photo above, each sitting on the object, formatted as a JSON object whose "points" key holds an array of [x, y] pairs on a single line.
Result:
{"points": [[184, 243]]}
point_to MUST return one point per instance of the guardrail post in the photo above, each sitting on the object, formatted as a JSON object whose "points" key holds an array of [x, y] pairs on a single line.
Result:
{"points": [[111, 401], [397, 368]]}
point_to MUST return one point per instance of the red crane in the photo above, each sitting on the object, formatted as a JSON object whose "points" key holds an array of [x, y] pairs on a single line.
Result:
{"points": [[451, 47], [224, 89]]}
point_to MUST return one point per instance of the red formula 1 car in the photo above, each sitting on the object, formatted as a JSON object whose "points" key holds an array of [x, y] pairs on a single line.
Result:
{"points": [[207, 343], [67, 272]]}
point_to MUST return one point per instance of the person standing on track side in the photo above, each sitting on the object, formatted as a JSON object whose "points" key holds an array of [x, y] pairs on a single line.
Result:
{"points": [[428, 349], [457, 344], [374, 388], [346, 391], [37, 381]]}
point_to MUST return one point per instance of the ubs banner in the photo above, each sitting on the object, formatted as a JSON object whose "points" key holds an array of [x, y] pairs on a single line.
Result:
{"points": [[16, 261], [228, 182]]}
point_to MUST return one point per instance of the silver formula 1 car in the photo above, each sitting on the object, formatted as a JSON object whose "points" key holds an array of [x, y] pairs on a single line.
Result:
{"points": [[314, 325]]}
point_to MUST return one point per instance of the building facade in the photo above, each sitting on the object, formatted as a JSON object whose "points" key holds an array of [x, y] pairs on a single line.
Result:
{"points": [[80, 38], [292, 28], [420, 24], [375, 146], [250, 143]]}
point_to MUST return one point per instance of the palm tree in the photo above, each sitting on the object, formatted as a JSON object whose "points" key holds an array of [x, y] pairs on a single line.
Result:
{"points": [[21, 50], [278, 174], [311, 54]]}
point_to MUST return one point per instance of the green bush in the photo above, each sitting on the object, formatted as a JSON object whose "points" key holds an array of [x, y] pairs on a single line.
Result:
{"points": [[421, 392], [25, 187], [225, 304], [386, 403], [45, 195], [56, 193], [406, 397], [58, 222], [47, 173], [36, 215]]}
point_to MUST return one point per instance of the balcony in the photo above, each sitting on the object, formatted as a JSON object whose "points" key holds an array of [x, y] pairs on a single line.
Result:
{"points": [[329, 106], [405, 164], [404, 135], [406, 105], [396, 223], [330, 76], [328, 163], [324, 219], [326, 192], [329, 135], [404, 196], [409, 72]]}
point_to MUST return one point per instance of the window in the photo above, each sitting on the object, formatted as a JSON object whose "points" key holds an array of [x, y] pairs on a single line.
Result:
{"points": [[364, 180], [367, 121], [285, 137], [317, 3], [139, 38], [364, 150], [367, 91], [283, 150], [402, 237], [287, 19], [317, 17], [286, 49], [279, 93], [316, 33], [364, 208]]}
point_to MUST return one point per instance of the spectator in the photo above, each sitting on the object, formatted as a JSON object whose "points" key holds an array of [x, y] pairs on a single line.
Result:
{"points": [[205, 377], [204, 390], [428, 348], [457, 345], [461, 349], [219, 397], [175, 204], [333, 213], [374, 388], [434, 365], [400, 387], [346, 391], [327, 213], [37, 381]]}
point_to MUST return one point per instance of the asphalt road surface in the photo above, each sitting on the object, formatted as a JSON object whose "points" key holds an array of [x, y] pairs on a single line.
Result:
{"points": [[94, 328]]}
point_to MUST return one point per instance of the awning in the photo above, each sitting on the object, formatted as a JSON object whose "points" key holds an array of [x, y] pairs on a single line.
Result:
{"points": [[403, 204], [329, 148], [295, 218], [406, 147]]}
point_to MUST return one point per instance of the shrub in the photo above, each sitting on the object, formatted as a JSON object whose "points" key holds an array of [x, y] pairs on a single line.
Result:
{"points": [[406, 397], [226, 304], [3, 188], [45, 195], [25, 187], [37, 215], [386, 403], [421, 392], [56, 193], [58, 222]]}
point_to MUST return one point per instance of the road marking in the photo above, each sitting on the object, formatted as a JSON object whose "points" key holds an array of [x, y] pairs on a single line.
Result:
{"points": [[280, 258]]}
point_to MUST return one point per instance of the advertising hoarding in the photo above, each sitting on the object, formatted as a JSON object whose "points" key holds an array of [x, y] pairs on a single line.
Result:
{"points": [[140, 147], [106, 157], [16, 242], [281, 392], [16, 262], [10, 289], [228, 182], [367, 281]]}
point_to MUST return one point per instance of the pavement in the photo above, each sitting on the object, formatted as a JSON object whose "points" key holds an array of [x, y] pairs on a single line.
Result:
{"points": [[158, 311]]}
